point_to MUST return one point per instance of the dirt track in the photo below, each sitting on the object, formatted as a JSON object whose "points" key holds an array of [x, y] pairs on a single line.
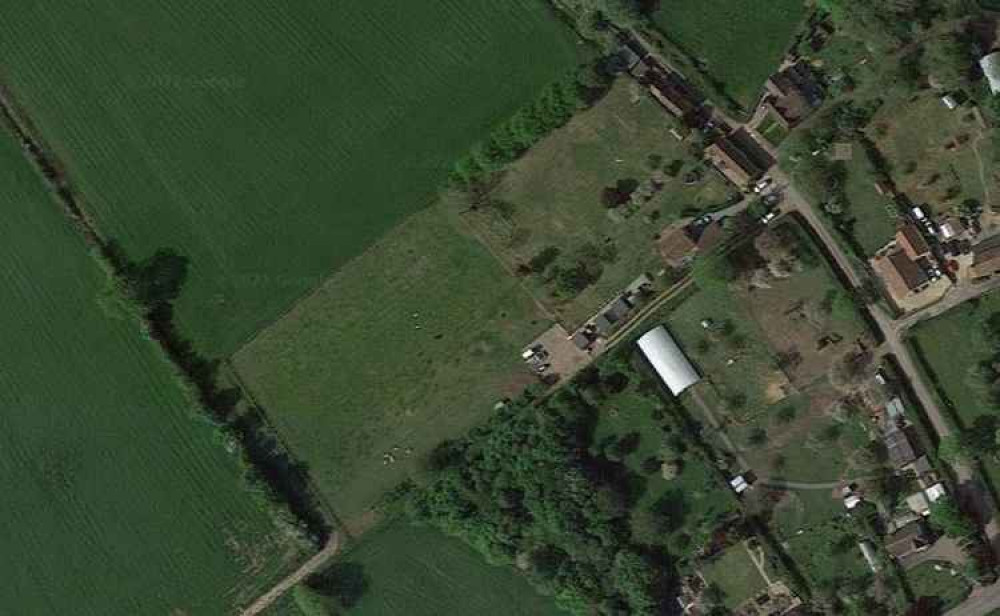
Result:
{"points": [[308, 568]]}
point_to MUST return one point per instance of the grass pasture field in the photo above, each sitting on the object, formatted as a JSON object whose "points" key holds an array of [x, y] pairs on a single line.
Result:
{"points": [[415, 570], [118, 498], [551, 198], [269, 142], [953, 347], [409, 344], [739, 43]]}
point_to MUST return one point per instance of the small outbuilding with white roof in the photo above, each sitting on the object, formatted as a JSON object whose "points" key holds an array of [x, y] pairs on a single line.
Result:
{"points": [[668, 360]]}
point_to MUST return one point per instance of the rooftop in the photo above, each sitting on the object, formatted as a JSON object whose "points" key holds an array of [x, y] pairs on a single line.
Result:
{"points": [[912, 241]]}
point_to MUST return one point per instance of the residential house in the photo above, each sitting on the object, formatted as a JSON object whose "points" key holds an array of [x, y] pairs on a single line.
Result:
{"points": [[793, 93], [912, 241], [908, 540], [920, 502], [739, 158], [678, 244], [672, 92], [901, 274], [900, 448]]}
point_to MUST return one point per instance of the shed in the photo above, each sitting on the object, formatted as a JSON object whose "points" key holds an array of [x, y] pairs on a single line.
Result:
{"points": [[868, 551], [990, 64], [894, 409], [668, 360], [617, 310]]}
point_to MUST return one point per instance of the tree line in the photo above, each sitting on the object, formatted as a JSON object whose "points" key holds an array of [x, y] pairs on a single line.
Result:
{"points": [[270, 471], [551, 109]]}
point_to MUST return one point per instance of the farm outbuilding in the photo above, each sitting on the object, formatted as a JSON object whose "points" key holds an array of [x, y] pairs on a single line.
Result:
{"points": [[668, 360], [991, 69]]}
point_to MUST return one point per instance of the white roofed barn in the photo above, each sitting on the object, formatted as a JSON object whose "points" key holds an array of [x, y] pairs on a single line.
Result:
{"points": [[668, 360]]}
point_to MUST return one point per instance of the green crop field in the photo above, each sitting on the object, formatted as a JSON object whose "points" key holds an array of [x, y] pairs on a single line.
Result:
{"points": [[270, 142], [418, 571], [409, 344], [118, 499], [739, 42]]}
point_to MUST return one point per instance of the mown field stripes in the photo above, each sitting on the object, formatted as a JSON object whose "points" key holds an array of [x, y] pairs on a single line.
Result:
{"points": [[270, 142], [118, 499]]}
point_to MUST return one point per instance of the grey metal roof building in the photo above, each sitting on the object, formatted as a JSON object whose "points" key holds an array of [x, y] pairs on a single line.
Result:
{"points": [[668, 360]]}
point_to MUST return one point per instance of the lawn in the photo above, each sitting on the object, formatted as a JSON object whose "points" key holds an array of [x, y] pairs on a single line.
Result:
{"points": [[937, 591], [876, 215], [269, 142], [119, 498], [912, 135], [740, 43], [829, 556], [952, 347], [552, 198], [418, 571], [409, 344], [736, 575]]}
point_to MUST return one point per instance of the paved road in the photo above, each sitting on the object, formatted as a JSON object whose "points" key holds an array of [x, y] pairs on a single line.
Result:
{"points": [[264, 601], [981, 602]]}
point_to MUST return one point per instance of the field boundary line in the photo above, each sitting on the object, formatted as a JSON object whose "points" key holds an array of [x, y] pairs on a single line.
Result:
{"points": [[274, 430], [330, 275]]}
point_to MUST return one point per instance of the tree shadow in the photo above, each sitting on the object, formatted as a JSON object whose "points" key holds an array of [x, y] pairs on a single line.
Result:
{"points": [[345, 582]]}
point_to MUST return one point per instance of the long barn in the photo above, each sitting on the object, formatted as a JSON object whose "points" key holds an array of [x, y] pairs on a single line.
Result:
{"points": [[668, 360]]}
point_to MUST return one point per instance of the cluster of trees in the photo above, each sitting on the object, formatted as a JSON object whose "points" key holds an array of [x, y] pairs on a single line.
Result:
{"points": [[525, 489], [281, 483], [583, 268], [550, 110]]}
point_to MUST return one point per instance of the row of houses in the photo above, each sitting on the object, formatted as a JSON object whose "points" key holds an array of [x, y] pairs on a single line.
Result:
{"points": [[613, 314], [736, 154], [739, 158]]}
